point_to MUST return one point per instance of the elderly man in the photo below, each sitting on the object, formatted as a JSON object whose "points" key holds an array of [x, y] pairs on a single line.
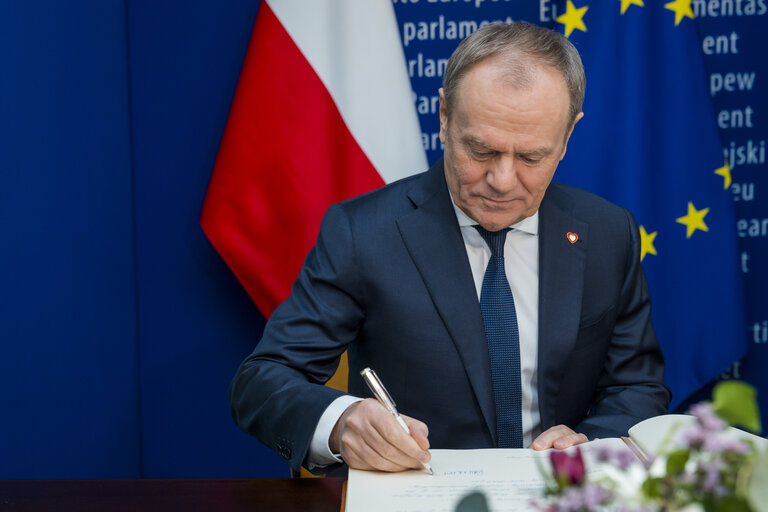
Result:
{"points": [[501, 309]]}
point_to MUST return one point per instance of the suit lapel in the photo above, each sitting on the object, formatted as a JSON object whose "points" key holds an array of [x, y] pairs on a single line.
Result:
{"points": [[561, 283], [433, 239]]}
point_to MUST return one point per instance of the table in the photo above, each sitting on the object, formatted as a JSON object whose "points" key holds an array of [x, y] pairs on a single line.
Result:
{"points": [[203, 495]]}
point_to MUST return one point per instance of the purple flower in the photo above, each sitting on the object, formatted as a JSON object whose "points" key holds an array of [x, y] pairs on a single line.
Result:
{"points": [[603, 453], [589, 497], [694, 437], [640, 508], [596, 495], [620, 457], [570, 501], [688, 478], [624, 458], [712, 475], [718, 444], [707, 418], [568, 469]]}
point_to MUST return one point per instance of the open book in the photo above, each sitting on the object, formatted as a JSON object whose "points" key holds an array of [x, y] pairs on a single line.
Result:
{"points": [[648, 437], [509, 478]]}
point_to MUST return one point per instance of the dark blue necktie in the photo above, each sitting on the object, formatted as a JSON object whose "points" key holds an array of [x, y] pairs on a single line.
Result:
{"points": [[498, 309]]}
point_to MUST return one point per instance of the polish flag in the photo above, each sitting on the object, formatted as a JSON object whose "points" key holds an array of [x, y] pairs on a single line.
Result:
{"points": [[323, 112]]}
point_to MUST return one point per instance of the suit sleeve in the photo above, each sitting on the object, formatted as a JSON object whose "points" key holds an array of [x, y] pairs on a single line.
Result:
{"points": [[631, 386], [277, 394]]}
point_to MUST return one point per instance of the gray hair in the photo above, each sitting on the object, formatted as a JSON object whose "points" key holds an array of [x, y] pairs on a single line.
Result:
{"points": [[520, 43]]}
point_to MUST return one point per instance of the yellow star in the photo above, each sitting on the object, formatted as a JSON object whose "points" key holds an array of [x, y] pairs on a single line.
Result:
{"points": [[626, 3], [682, 8], [646, 243], [572, 18], [725, 172], [694, 220]]}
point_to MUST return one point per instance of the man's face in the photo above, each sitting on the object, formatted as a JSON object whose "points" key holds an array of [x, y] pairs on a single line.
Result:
{"points": [[503, 143]]}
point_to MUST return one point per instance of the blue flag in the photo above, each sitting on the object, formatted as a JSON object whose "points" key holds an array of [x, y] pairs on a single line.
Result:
{"points": [[648, 141]]}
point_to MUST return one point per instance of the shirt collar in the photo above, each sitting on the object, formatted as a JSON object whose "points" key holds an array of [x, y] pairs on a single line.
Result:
{"points": [[528, 225]]}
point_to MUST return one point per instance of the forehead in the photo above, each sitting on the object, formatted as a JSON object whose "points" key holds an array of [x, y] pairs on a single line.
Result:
{"points": [[497, 99]]}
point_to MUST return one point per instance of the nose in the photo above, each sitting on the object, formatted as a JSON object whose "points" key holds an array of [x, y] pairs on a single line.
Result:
{"points": [[501, 175]]}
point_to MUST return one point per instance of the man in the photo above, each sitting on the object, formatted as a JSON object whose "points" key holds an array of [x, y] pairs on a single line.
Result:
{"points": [[538, 335]]}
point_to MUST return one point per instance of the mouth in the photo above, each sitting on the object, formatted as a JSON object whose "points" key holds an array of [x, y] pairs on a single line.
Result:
{"points": [[499, 203]]}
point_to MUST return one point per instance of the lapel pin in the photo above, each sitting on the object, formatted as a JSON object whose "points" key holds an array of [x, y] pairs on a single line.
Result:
{"points": [[572, 237]]}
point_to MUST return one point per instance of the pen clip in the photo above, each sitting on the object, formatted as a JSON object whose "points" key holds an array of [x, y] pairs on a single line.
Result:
{"points": [[378, 389]]}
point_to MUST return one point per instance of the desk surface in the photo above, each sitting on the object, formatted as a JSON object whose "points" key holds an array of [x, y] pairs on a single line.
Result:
{"points": [[252, 495]]}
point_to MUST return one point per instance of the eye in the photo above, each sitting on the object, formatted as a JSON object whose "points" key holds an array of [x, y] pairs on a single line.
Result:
{"points": [[530, 160], [482, 153]]}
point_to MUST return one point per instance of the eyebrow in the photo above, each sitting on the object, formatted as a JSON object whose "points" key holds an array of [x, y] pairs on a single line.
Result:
{"points": [[474, 141], [540, 152], [537, 152]]}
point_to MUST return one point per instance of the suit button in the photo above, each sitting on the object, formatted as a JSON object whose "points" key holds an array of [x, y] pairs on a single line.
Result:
{"points": [[284, 452]]}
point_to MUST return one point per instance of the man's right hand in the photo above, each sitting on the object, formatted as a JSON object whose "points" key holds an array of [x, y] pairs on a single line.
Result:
{"points": [[368, 437]]}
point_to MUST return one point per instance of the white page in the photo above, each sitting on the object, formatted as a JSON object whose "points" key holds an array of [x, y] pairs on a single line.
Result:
{"points": [[650, 434], [509, 478]]}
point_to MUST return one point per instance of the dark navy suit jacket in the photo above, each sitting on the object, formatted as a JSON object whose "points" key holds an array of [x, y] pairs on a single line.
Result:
{"points": [[389, 280]]}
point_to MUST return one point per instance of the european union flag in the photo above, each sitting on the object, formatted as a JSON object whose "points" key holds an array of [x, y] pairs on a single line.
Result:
{"points": [[648, 141]]}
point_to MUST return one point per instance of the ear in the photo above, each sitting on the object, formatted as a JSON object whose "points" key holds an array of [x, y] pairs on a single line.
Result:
{"points": [[443, 115], [567, 137]]}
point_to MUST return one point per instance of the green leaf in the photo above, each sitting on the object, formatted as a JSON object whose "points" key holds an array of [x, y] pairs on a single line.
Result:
{"points": [[736, 403], [676, 462], [651, 487], [730, 504], [562, 481]]}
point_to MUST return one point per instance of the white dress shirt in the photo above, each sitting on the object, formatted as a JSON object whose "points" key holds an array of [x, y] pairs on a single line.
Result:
{"points": [[521, 263]]}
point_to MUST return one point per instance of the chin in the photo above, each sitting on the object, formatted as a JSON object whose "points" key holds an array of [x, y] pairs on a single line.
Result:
{"points": [[493, 224], [498, 220]]}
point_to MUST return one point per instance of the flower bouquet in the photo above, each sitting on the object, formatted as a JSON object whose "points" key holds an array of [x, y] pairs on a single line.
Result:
{"points": [[704, 465]]}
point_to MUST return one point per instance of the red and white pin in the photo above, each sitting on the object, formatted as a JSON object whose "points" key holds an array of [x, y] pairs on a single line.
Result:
{"points": [[572, 237]]}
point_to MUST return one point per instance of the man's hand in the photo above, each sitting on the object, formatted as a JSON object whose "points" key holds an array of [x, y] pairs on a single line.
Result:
{"points": [[559, 437], [369, 437]]}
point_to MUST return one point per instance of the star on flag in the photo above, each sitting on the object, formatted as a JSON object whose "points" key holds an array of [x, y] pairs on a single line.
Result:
{"points": [[725, 172], [694, 220], [626, 3], [681, 8], [573, 18], [646, 242]]}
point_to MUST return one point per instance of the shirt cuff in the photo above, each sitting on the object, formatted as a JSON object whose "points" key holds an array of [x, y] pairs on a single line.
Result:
{"points": [[320, 454]]}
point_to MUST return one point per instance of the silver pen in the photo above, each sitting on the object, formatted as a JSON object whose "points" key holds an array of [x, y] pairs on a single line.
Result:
{"points": [[382, 395]]}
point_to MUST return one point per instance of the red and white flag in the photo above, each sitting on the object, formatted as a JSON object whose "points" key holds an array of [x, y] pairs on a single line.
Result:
{"points": [[323, 111]]}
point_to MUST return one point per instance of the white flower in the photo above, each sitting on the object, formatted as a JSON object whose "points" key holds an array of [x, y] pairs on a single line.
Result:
{"points": [[658, 468]]}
